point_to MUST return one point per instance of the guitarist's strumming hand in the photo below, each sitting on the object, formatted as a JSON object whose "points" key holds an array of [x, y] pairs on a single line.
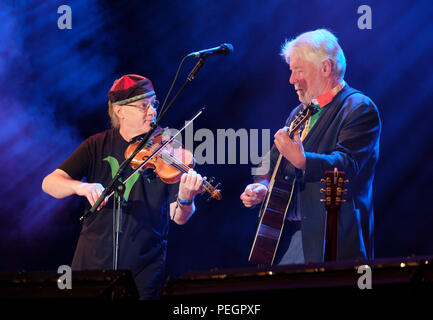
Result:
{"points": [[254, 194], [292, 150]]}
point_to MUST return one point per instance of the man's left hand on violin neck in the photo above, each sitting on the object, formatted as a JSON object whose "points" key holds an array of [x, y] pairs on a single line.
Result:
{"points": [[191, 184]]}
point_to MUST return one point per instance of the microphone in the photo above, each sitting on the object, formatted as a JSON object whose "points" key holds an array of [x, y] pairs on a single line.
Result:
{"points": [[224, 49]]}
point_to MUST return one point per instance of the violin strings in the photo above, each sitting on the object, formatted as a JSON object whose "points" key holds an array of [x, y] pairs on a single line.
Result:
{"points": [[165, 155], [180, 166]]}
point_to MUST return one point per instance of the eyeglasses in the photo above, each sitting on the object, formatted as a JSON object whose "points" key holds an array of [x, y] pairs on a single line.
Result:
{"points": [[145, 106]]}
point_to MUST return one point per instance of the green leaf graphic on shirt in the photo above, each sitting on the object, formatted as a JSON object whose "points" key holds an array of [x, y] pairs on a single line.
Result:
{"points": [[114, 165]]}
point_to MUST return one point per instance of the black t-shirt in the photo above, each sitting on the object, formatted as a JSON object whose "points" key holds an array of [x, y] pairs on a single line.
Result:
{"points": [[145, 220]]}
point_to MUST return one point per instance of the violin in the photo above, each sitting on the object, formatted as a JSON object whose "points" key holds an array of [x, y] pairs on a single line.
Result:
{"points": [[169, 163]]}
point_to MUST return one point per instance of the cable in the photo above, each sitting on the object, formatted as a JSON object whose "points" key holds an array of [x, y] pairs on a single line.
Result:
{"points": [[171, 88]]}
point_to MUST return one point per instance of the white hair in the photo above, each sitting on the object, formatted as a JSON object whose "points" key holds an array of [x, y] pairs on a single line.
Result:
{"points": [[317, 46]]}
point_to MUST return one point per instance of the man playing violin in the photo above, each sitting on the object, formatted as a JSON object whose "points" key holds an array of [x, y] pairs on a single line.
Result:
{"points": [[344, 133], [149, 203]]}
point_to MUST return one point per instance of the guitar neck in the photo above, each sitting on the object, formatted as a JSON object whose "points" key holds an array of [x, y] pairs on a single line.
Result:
{"points": [[331, 235], [334, 184]]}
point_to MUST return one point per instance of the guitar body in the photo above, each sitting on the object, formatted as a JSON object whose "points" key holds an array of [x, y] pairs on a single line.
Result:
{"points": [[277, 202], [272, 215]]}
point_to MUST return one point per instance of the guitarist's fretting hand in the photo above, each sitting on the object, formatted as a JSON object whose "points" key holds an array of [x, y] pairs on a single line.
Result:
{"points": [[254, 194], [292, 150]]}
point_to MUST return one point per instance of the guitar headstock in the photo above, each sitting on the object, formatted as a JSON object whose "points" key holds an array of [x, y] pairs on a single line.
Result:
{"points": [[334, 189], [301, 117]]}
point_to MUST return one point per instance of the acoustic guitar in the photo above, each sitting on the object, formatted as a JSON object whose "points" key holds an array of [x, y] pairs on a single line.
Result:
{"points": [[334, 189], [276, 204]]}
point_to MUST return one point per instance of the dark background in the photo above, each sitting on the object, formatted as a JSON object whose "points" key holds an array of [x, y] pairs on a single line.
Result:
{"points": [[53, 94]]}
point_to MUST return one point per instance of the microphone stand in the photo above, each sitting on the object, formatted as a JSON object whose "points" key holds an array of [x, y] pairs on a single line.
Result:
{"points": [[189, 79], [117, 186]]}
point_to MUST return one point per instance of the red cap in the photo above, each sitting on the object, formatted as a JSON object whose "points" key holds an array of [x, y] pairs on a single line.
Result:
{"points": [[129, 88]]}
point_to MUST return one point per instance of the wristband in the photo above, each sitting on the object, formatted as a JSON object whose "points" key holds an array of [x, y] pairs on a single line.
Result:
{"points": [[184, 202]]}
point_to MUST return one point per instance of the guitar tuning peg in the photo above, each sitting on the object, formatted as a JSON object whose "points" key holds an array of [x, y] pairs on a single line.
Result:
{"points": [[346, 181], [322, 190], [322, 180], [345, 191], [322, 200]]}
